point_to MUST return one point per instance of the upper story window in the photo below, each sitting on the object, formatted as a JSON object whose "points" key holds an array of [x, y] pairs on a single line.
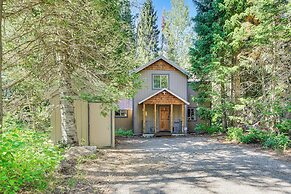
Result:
{"points": [[160, 81]]}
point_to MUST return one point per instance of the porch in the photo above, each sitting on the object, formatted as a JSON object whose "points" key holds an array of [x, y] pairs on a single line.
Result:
{"points": [[163, 113]]}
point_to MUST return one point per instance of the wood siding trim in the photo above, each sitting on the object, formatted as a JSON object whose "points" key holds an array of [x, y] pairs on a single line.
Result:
{"points": [[161, 65], [155, 117], [144, 117], [164, 61], [183, 117], [164, 96], [171, 119]]}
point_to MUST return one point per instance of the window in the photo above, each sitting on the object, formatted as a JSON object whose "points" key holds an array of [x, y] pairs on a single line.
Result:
{"points": [[121, 114], [192, 116], [160, 81]]}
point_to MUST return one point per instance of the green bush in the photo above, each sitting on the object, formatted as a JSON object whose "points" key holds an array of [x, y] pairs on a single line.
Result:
{"points": [[203, 128], [255, 136], [235, 134], [200, 128], [27, 160], [213, 130], [124, 133], [277, 141], [266, 139], [285, 126]]}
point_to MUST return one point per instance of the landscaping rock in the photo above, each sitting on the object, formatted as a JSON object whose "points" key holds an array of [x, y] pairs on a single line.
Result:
{"points": [[68, 165], [81, 151]]}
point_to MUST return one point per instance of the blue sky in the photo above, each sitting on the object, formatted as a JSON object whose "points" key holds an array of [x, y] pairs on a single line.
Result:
{"points": [[160, 5]]}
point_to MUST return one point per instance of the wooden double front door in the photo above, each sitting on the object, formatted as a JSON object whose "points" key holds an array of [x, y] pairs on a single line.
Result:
{"points": [[164, 118]]}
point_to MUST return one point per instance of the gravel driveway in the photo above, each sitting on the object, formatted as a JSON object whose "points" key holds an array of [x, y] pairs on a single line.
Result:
{"points": [[187, 165]]}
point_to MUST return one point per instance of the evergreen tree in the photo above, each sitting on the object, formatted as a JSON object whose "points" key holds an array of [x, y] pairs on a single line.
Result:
{"points": [[164, 43], [147, 33], [177, 32], [207, 22], [240, 57], [126, 17], [76, 50]]}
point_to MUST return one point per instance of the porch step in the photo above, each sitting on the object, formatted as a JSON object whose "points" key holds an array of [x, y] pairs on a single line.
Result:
{"points": [[163, 134]]}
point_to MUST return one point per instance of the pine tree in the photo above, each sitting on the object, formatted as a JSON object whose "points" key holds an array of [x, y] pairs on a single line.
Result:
{"points": [[127, 18], [178, 33], [164, 42], [239, 57], [77, 50], [147, 33], [207, 23]]}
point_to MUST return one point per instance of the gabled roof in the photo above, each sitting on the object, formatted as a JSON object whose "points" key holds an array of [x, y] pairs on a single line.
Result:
{"points": [[164, 59], [162, 90]]}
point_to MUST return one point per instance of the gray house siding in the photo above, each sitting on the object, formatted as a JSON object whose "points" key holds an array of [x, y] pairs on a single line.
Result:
{"points": [[177, 84], [191, 94]]}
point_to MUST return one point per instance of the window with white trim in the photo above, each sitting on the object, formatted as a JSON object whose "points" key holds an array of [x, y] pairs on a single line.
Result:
{"points": [[121, 114], [192, 114], [160, 81]]}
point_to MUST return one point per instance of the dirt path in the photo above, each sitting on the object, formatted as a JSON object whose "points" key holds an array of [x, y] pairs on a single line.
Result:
{"points": [[187, 165]]}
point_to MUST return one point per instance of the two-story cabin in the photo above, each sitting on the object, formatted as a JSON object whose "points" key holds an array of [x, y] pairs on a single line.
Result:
{"points": [[163, 104]]}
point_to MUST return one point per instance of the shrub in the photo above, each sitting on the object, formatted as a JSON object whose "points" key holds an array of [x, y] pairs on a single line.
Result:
{"points": [[265, 138], [213, 130], [285, 126], [277, 141], [200, 128], [124, 133], [27, 160], [254, 136], [203, 128], [235, 134]]}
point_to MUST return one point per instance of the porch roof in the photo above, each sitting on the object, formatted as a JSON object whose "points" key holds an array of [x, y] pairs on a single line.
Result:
{"points": [[164, 90]]}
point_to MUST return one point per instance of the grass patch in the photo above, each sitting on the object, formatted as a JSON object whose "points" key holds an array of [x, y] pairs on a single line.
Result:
{"points": [[124, 133]]}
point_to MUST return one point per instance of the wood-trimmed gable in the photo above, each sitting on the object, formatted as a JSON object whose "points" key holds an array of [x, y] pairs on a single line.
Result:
{"points": [[161, 65], [164, 96]]}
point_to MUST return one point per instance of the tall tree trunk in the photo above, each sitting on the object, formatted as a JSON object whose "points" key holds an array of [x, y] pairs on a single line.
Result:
{"points": [[1, 63], [236, 80], [273, 85], [224, 114], [68, 124], [236, 90]]}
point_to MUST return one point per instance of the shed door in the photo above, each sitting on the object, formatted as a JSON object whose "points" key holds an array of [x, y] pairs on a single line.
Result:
{"points": [[164, 118], [100, 127]]}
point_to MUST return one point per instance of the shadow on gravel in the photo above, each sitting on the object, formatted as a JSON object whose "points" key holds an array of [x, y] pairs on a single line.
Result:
{"points": [[155, 165]]}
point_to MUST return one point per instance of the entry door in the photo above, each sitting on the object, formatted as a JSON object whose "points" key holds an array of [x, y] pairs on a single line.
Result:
{"points": [[164, 118]]}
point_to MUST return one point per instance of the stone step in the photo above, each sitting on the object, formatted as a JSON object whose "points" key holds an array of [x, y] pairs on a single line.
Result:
{"points": [[163, 134]]}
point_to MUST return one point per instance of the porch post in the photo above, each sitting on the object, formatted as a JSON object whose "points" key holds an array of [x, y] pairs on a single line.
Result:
{"points": [[155, 121], [183, 117], [171, 121], [143, 118]]}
